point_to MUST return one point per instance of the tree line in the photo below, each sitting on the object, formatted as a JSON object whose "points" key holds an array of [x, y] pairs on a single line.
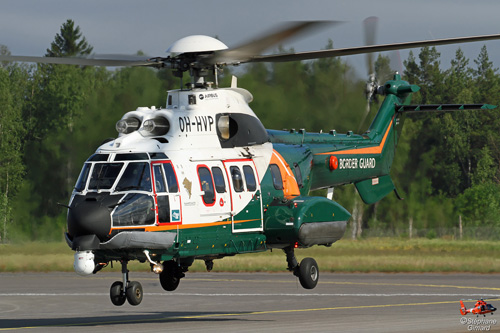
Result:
{"points": [[54, 116]]}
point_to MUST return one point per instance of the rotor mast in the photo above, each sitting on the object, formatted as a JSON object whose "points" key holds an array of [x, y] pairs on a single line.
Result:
{"points": [[190, 53]]}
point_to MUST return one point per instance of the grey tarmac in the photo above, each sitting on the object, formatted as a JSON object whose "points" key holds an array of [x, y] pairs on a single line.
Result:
{"points": [[247, 302]]}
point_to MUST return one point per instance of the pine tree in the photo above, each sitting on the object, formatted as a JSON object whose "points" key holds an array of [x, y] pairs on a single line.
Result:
{"points": [[69, 42]]}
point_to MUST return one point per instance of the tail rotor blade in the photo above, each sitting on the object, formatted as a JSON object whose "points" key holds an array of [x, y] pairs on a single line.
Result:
{"points": [[370, 30]]}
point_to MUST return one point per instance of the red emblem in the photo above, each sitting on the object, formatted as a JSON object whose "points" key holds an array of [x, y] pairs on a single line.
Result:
{"points": [[333, 162]]}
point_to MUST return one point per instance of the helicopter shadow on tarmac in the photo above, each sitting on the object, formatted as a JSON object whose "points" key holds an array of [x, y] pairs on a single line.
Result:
{"points": [[127, 319]]}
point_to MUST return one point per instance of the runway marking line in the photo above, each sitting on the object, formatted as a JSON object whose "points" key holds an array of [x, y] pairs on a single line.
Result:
{"points": [[339, 283]]}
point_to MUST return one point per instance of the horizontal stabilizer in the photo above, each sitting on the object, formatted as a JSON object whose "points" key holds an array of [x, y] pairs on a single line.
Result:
{"points": [[442, 107]]}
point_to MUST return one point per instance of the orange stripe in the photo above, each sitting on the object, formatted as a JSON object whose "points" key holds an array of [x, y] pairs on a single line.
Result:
{"points": [[368, 150]]}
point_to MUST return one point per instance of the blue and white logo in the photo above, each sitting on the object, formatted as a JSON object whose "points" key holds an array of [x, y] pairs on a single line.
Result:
{"points": [[176, 215]]}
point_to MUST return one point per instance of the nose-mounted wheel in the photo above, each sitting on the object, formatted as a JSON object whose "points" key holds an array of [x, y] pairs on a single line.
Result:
{"points": [[126, 290]]}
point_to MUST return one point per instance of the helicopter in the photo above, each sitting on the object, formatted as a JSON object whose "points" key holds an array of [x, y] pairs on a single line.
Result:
{"points": [[202, 178], [480, 308]]}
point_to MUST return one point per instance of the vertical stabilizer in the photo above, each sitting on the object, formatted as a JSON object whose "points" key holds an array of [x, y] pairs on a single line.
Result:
{"points": [[463, 309]]}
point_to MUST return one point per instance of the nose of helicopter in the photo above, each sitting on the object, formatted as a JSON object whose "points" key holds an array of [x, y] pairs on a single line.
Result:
{"points": [[91, 215]]}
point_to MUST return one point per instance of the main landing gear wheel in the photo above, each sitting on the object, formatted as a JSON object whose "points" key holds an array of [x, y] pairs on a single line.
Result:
{"points": [[307, 271], [134, 293], [117, 294], [171, 275]]}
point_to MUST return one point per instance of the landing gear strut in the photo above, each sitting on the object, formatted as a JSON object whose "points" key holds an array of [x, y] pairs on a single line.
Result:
{"points": [[307, 271], [126, 290]]}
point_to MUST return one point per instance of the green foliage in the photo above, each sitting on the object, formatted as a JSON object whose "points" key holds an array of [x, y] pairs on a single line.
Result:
{"points": [[12, 133], [480, 205], [54, 117], [455, 162]]}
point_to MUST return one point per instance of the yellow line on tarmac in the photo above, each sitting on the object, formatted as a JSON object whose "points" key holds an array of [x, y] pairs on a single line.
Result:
{"points": [[318, 309], [411, 285]]}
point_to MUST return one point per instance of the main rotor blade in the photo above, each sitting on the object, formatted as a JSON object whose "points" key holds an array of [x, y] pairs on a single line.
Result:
{"points": [[367, 49], [247, 51], [81, 61]]}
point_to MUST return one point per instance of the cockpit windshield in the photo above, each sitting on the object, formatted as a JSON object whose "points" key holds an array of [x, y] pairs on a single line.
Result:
{"points": [[136, 176], [104, 175]]}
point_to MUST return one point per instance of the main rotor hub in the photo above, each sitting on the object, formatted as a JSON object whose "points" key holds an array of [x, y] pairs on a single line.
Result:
{"points": [[196, 44], [190, 51]]}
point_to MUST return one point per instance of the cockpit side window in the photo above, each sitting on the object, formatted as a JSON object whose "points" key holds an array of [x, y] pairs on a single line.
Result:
{"points": [[104, 175], [159, 180], [173, 187], [136, 176], [82, 180]]}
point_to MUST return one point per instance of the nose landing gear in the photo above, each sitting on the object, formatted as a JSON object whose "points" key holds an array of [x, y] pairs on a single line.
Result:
{"points": [[126, 290]]}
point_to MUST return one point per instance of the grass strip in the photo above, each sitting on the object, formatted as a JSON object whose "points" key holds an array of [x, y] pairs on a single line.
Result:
{"points": [[367, 255]]}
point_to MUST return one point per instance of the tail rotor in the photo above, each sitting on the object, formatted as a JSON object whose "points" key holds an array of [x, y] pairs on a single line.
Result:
{"points": [[372, 87]]}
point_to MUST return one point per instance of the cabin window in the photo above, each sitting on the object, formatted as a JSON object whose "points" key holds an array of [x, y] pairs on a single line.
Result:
{"points": [[237, 179], [135, 177], [173, 187], [249, 178], [220, 184], [104, 175], [276, 174], [207, 185], [82, 180], [298, 175]]}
